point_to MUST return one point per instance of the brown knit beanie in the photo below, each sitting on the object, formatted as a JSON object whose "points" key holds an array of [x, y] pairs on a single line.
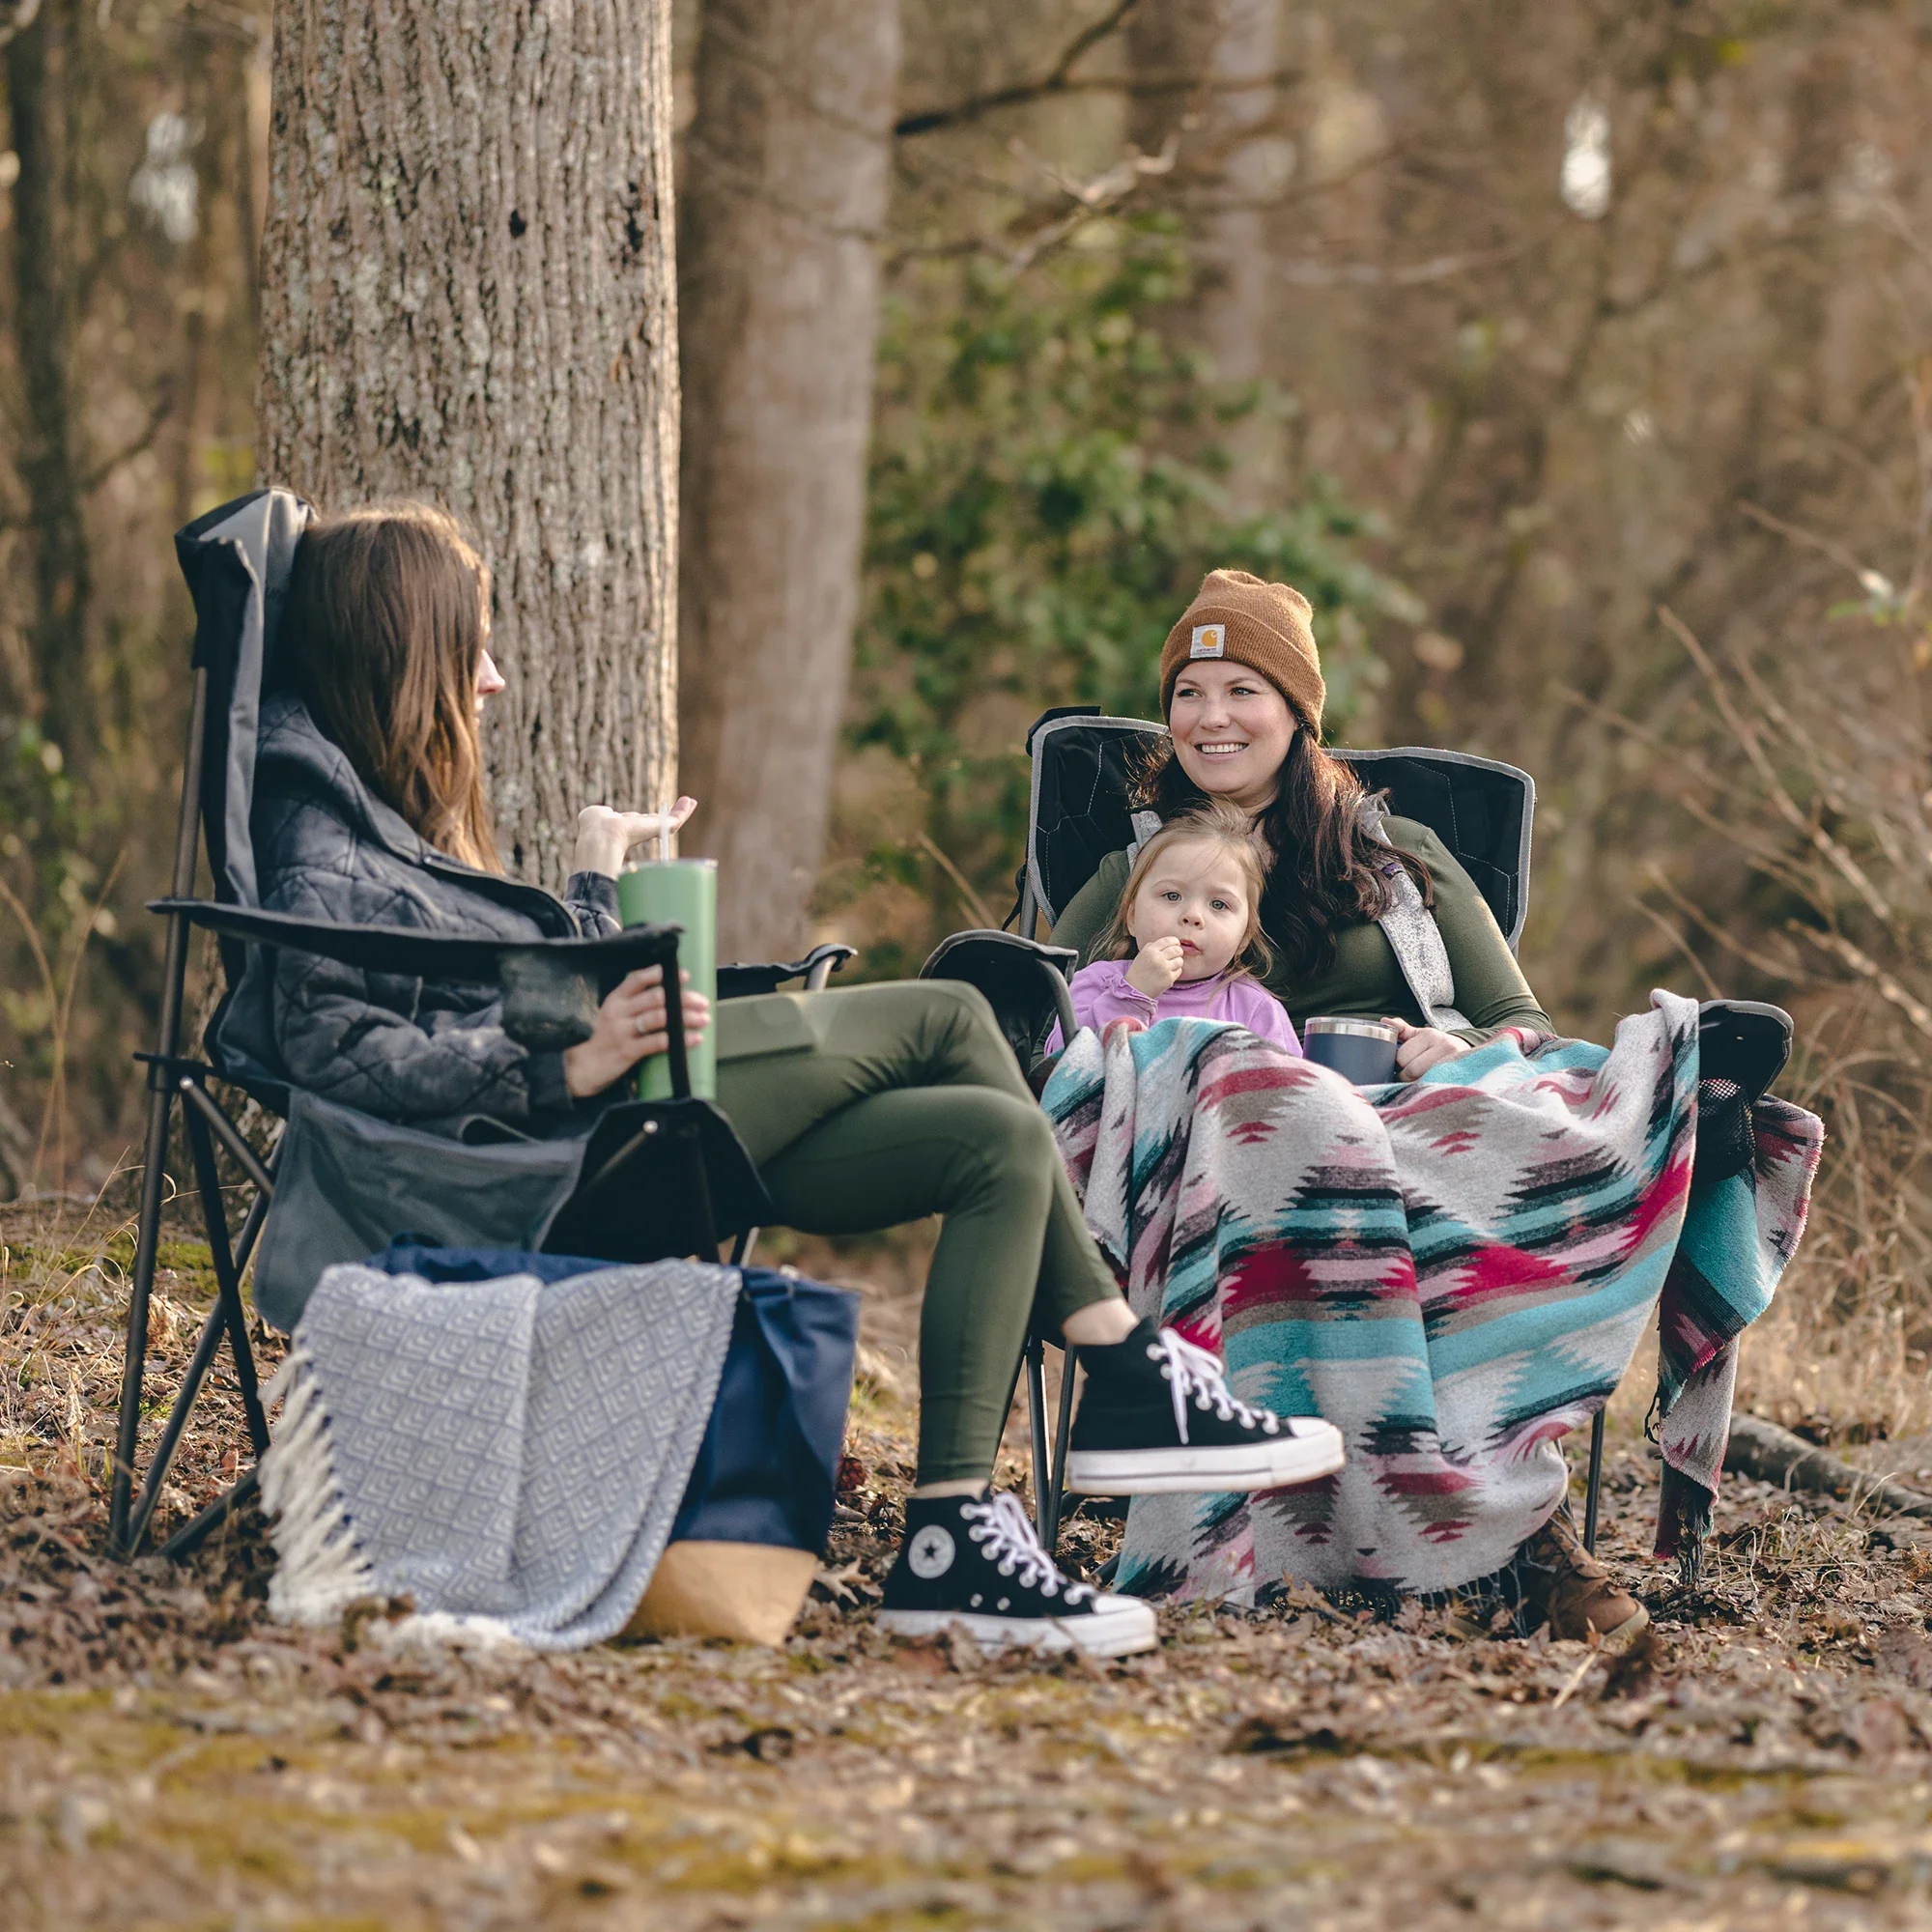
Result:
{"points": [[1268, 627]]}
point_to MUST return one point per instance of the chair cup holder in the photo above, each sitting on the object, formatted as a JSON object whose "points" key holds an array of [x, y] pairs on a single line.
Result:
{"points": [[547, 1004]]}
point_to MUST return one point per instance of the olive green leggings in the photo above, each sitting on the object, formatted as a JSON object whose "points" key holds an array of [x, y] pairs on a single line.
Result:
{"points": [[880, 1104]]}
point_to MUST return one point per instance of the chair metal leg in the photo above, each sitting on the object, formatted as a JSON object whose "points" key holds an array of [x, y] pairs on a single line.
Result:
{"points": [[741, 1248], [228, 1314], [212, 1332], [1593, 1483], [1061, 1429], [153, 1175], [133, 1368], [190, 1536], [228, 1282], [1036, 1382]]}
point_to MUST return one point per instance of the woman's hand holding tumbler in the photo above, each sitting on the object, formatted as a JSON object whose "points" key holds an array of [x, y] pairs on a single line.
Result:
{"points": [[630, 1028]]}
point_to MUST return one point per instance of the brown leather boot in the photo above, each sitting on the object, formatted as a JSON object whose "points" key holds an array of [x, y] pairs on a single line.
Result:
{"points": [[1572, 1590]]}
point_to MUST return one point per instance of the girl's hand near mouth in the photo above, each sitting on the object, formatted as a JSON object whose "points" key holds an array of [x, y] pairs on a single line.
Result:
{"points": [[1156, 966]]}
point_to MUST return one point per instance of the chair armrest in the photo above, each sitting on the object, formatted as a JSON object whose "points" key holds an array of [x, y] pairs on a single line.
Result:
{"points": [[740, 982], [551, 988], [1024, 981]]}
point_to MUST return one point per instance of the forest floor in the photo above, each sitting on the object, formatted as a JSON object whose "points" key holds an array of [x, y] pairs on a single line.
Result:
{"points": [[171, 1757]]}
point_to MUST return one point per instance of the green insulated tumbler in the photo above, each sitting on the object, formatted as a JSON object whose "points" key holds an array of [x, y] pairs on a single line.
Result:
{"points": [[679, 891]]}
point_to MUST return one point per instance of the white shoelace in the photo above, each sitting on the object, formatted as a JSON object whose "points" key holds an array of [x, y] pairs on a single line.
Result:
{"points": [[1011, 1541], [1194, 1376]]}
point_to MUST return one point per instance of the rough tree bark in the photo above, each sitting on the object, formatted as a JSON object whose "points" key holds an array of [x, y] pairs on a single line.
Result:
{"points": [[43, 76], [779, 285], [468, 295]]}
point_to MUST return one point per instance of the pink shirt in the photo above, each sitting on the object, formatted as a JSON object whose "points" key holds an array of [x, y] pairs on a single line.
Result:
{"points": [[1102, 994]]}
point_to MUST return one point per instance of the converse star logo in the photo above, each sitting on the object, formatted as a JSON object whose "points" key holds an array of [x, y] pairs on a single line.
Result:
{"points": [[1210, 641], [929, 1555]]}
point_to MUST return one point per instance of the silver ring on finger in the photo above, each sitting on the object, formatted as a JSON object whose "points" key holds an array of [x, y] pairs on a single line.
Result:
{"points": [[642, 1026]]}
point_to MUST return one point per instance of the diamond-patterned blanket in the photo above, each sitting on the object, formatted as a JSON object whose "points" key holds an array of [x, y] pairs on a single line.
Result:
{"points": [[1456, 1273], [510, 1454]]}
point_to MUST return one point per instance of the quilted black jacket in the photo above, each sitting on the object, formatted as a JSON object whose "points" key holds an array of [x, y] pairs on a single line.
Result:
{"points": [[415, 1051]]}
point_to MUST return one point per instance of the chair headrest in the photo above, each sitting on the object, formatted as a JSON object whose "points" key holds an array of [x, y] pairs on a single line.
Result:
{"points": [[237, 561]]}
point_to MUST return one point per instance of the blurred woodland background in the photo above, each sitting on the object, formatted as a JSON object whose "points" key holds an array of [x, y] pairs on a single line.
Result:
{"points": [[1576, 357]]}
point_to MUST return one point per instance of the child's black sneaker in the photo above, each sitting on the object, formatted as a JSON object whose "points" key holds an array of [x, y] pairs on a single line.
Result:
{"points": [[1159, 1417], [975, 1562]]}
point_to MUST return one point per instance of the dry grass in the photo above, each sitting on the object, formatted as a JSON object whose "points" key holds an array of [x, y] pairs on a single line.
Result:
{"points": [[173, 1758], [1822, 809]]}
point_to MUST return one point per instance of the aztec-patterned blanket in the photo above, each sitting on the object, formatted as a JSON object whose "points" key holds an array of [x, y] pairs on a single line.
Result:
{"points": [[1454, 1272]]}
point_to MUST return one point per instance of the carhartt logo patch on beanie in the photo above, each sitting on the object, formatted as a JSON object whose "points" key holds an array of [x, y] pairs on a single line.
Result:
{"points": [[1243, 620]]}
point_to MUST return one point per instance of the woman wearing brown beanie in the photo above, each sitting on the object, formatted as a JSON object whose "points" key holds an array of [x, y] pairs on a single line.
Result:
{"points": [[1367, 914]]}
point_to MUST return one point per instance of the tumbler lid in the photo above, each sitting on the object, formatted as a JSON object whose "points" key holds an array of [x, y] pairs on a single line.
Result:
{"points": [[1359, 1029]]}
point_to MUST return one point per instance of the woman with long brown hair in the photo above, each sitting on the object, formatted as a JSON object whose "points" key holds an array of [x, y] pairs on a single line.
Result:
{"points": [[1367, 914], [862, 1108]]}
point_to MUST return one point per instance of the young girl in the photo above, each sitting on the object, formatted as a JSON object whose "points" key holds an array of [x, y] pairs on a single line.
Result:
{"points": [[1187, 939]]}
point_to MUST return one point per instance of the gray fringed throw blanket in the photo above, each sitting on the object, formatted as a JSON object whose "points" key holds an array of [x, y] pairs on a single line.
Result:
{"points": [[508, 1454], [1456, 1273]]}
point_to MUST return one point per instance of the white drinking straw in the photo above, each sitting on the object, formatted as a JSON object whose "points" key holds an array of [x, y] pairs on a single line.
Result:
{"points": [[660, 829]]}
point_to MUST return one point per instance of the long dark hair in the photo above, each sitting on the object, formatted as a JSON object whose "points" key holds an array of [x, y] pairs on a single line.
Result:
{"points": [[382, 635], [1325, 869]]}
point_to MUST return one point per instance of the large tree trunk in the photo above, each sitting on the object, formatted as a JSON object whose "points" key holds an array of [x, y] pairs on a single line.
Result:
{"points": [[44, 82], [468, 295], [787, 175]]}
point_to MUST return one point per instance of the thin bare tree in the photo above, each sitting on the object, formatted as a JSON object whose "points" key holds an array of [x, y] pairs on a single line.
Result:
{"points": [[1204, 76], [787, 161], [47, 81]]}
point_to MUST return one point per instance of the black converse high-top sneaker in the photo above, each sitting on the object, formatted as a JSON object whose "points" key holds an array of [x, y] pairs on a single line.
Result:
{"points": [[1158, 1416], [975, 1561]]}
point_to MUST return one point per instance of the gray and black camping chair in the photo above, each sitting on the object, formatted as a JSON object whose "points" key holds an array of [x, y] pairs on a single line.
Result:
{"points": [[655, 1179], [1081, 809]]}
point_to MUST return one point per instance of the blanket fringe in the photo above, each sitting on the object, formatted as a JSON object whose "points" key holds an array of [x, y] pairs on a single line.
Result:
{"points": [[321, 1569]]}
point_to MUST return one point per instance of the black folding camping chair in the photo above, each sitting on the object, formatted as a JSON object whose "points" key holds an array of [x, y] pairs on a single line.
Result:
{"points": [[1081, 809], [658, 1179]]}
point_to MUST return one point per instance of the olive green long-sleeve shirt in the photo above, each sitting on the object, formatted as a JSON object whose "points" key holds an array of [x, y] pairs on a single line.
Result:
{"points": [[1365, 981]]}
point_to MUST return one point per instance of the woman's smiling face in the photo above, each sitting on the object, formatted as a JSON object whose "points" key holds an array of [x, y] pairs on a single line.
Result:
{"points": [[1231, 729]]}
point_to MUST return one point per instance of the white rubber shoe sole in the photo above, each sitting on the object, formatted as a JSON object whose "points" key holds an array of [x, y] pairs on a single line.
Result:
{"points": [[1115, 1627], [1274, 1462]]}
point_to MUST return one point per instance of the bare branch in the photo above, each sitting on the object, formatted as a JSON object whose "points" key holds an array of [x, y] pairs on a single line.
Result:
{"points": [[961, 885], [158, 413], [1058, 80], [1146, 89], [25, 12], [1867, 968], [1835, 550], [1308, 274], [1092, 199], [1679, 942], [1788, 808]]}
